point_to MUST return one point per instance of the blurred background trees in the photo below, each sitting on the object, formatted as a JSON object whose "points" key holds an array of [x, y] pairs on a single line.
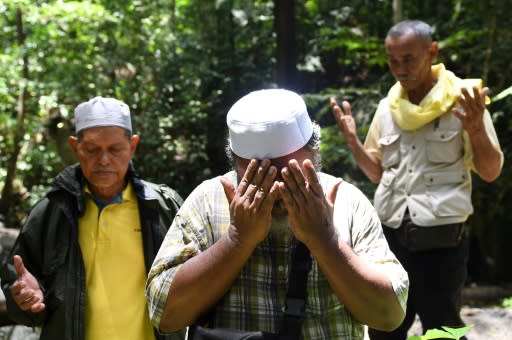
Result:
{"points": [[180, 65]]}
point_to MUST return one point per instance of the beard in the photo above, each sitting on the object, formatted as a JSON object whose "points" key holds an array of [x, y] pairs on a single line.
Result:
{"points": [[279, 226]]}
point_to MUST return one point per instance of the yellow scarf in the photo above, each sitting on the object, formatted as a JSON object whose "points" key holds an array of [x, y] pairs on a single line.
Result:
{"points": [[437, 102]]}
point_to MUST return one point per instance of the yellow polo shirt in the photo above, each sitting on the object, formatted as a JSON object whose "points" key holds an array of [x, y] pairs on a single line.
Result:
{"points": [[111, 244]]}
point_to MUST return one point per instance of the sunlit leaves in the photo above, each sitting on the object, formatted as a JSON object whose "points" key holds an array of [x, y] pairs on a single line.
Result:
{"points": [[444, 333]]}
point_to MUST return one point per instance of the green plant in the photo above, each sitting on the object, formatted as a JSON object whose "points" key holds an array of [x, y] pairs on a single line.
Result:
{"points": [[444, 333], [507, 302]]}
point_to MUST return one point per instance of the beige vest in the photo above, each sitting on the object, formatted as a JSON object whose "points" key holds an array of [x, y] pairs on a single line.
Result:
{"points": [[423, 171]]}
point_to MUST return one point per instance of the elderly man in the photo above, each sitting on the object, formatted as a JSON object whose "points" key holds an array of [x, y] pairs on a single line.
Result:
{"points": [[427, 135], [81, 259], [228, 251]]}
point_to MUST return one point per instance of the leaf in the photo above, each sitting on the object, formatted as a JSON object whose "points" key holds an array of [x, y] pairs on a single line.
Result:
{"points": [[445, 333], [437, 333], [502, 94], [458, 332]]}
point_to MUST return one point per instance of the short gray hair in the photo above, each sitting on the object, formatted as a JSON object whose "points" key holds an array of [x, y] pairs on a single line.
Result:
{"points": [[420, 28]]}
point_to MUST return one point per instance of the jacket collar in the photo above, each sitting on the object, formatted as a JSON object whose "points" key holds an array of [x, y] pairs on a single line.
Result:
{"points": [[72, 181]]}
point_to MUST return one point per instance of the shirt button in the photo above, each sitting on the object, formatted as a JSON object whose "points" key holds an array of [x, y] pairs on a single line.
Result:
{"points": [[414, 147], [280, 268]]}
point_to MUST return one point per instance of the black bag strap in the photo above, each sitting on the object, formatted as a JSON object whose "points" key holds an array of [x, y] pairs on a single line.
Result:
{"points": [[297, 294]]}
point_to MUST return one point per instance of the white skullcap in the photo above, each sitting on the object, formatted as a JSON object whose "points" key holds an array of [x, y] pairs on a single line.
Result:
{"points": [[101, 111], [268, 124]]}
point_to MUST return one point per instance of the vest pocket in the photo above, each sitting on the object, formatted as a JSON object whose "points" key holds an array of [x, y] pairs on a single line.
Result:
{"points": [[449, 193], [390, 150], [383, 200], [443, 146]]}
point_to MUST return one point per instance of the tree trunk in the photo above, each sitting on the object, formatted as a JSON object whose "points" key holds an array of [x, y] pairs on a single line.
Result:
{"points": [[7, 191], [286, 48], [397, 11]]}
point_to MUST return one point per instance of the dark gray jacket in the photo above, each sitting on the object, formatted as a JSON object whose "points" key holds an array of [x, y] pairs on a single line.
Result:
{"points": [[48, 244]]}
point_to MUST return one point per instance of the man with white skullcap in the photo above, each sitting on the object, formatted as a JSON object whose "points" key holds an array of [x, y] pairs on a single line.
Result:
{"points": [[80, 262], [227, 256]]}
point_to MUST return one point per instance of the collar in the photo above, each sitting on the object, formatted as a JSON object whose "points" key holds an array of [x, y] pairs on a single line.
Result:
{"points": [[439, 100]]}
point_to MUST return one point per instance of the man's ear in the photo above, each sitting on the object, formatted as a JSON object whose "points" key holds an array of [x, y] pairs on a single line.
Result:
{"points": [[433, 50], [73, 142], [134, 142]]}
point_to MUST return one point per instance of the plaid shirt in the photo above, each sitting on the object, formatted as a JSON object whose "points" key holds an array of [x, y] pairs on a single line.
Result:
{"points": [[257, 297]]}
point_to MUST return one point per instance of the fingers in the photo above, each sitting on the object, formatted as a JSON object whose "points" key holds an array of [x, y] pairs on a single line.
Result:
{"points": [[336, 112], [37, 307], [299, 184], [248, 175], [229, 188], [476, 101], [344, 109], [295, 181], [265, 188], [271, 197], [32, 303], [312, 178], [25, 290], [27, 298], [253, 177], [255, 186], [19, 266], [477, 98], [260, 179], [484, 93], [344, 120], [333, 103]]}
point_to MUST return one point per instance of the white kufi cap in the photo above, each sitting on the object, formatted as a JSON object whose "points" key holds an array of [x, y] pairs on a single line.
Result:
{"points": [[101, 111], [268, 124]]}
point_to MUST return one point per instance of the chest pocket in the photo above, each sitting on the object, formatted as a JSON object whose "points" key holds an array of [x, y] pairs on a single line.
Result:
{"points": [[444, 146], [390, 146]]}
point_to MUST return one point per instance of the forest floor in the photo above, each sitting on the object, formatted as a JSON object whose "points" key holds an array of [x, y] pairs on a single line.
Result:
{"points": [[488, 323], [483, 311]]}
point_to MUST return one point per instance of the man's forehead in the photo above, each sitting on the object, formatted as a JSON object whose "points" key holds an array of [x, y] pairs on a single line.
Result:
{"points": [[103, 134]]}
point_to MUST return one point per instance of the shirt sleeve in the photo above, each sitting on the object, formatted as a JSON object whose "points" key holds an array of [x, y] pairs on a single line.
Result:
{"points": [[200, 222], [182, 242], [354, 212], [371, 142]]}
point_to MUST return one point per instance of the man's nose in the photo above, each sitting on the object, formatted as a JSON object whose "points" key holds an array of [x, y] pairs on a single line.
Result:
{"points": [[400, 68], [104, 157]]}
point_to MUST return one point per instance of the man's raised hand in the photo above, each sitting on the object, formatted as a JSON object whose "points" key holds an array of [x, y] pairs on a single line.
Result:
{"points": [[26, 291]]}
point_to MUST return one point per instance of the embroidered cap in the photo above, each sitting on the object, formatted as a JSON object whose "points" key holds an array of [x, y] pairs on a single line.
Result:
{"points": [[101, 111], [268, 124]]}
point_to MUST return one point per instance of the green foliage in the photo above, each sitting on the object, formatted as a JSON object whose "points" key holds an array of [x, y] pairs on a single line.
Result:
{"points": [[507, 302], [502, 95], [336, 156], [444, 333], [180, 65]]}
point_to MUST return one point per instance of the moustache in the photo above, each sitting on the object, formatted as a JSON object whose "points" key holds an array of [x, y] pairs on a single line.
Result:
{"points": [[405, 78]]}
